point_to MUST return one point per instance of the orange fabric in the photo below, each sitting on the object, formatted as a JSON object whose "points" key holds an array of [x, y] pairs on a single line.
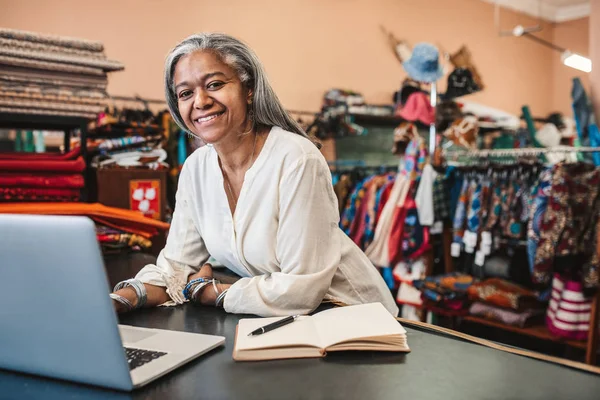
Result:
{"points": [[129, 220]]}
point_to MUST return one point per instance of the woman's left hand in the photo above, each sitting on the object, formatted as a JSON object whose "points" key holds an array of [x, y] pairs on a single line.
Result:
{"points": [[208, 296]]}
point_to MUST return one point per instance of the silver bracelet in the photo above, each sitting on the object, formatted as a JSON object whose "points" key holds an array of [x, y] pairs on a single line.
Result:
{"points": [[221, 298], [138, 286], [198, 289], [122, 300]]}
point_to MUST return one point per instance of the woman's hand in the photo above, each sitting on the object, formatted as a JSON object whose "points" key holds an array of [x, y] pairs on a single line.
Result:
{"points": [[208, 296]]}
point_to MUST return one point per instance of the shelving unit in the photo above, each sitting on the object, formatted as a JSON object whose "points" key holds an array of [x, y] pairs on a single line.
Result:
{"points": [[52, 122]]}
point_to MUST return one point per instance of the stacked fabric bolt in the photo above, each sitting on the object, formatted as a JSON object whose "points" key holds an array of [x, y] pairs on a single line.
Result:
{"points": [[52, 75], [27, 177], [506, 302], [126, 221], [446, 292]]}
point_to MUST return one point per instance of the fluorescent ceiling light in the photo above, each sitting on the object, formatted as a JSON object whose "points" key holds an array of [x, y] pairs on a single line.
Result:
{"points": [[576, 61]]}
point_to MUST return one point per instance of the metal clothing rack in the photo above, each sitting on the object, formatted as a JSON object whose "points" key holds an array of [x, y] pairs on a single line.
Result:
{"points": [[529, 151], [591, 345]]}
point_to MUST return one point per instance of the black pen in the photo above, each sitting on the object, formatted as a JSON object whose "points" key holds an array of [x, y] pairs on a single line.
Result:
{"points": [[274, 325]]}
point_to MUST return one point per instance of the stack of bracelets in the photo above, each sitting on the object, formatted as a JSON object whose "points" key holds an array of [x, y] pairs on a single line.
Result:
{"points": [[194, 287], [140, 291], [191, 292]]}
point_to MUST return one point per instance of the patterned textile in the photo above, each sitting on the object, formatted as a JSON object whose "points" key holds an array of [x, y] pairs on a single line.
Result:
{"points": [[23, 164], [11, 194], [376, 189], [537, 210], [41, 180], [474, 210], [502, 293], [569, 226], [441, 199], [414, 159], [513, 227], [350, 210], [569, 312], [461, 212], [445, 287], [119, 240], [495, 205], [415, 237], [508, 317]]}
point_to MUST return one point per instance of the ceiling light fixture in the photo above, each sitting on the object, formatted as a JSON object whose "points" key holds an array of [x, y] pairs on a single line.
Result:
{"points": [[567, 57]]}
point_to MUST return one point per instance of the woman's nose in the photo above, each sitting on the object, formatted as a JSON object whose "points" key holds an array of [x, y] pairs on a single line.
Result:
{"points": [[202, 100]]}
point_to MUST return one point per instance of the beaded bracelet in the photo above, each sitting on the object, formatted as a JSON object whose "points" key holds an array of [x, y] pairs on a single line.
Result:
{"points": [[138, 286], [122, 300], [190, 286]]}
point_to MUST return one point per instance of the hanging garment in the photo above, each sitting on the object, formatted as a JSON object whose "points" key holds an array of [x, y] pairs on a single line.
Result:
{"points": [[377, 188], [569, 311], [537, 211], [441, 199], [570, 223], [377, 251], [415, 237], [461, 212], [424, 196]]}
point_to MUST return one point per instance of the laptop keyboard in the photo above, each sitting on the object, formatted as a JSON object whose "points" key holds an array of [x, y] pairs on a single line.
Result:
{"points": [[138, 357]]}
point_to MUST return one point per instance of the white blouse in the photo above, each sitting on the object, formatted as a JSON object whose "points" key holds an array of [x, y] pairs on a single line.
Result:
{"points": [[283, 239]]}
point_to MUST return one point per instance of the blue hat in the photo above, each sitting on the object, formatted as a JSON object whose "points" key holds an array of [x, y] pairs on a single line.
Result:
{"points": [[423, 65]]}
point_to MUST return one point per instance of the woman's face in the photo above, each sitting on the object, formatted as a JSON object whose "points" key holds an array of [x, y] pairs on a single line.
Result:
{"points": [[212, 100]]}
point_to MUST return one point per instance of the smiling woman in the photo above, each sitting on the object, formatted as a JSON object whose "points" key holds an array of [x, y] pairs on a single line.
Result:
{"points": [[259, 199]]}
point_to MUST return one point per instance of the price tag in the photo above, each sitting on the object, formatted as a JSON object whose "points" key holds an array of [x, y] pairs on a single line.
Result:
{"points": [[479, 258], [455, 250], [470, 239], [486, 237], [486, 249], [437, 228]]}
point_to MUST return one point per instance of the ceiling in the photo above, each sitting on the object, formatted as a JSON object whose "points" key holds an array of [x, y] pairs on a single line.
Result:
{"points": [[551, 10]]}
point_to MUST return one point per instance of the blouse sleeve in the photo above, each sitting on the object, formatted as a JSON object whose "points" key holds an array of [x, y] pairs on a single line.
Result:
{"points": [[184, 251], [307, 246]]}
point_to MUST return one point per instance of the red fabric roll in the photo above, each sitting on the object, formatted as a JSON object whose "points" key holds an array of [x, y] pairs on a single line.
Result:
{"points": [[77, 165], [38, 194], [31, 180], [71, 155]]}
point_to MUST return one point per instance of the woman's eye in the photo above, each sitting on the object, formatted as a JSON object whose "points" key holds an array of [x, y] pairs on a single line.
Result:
{"points": [[215, 85], [184, 94]]}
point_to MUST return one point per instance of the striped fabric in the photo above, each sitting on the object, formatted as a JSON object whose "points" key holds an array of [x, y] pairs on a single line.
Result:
{"points": [[568, 314]]}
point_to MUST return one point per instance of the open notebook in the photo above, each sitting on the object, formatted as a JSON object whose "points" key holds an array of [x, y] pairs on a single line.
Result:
{"points": [[361, 327]]}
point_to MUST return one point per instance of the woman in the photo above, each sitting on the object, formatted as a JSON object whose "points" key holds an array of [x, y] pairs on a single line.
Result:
{"points": [[258, 198]]}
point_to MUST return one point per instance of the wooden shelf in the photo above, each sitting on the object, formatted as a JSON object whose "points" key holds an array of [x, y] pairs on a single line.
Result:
{"points": [[537, 331]]}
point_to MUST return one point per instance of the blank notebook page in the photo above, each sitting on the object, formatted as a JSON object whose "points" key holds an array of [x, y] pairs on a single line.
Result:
{"points": [[350, 323], [299, 332]]}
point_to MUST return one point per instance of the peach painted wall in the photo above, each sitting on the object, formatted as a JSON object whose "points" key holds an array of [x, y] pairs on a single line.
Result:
{"points": [[307, 46], [594, 38], [573, 35]]}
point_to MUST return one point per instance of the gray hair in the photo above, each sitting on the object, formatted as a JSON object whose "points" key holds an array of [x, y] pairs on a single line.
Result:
{"points": [[267, 108]]}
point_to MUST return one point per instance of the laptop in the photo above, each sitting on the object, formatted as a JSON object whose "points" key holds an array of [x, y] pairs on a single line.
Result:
{"points": [[57, 320]]}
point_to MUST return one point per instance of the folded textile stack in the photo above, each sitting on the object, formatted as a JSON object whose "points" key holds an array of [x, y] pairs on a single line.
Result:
{"points": [[52, 75], [26, 177], [129, 138], [446, 293], [117, 218], [505, 302]]}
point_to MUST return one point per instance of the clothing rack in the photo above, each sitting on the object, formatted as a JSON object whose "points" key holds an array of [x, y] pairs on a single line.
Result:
{"points": [[532, 151]]}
